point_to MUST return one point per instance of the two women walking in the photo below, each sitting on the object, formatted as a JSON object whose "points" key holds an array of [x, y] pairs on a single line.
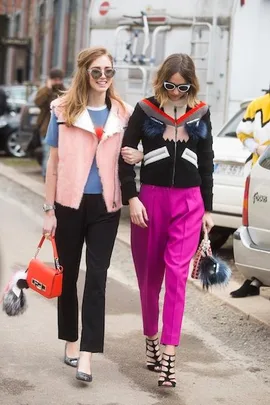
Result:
{"points": [[83, 199]]}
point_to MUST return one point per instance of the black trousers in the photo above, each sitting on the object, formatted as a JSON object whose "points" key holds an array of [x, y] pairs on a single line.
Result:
{"points": [[98, 228]]}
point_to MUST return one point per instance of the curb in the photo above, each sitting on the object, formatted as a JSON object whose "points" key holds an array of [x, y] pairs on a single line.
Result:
{"points": [[22, 179], [256, 308]]}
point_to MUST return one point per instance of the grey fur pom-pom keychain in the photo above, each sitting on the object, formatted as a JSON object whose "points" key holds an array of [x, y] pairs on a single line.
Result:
{"points": [[14, 299]]}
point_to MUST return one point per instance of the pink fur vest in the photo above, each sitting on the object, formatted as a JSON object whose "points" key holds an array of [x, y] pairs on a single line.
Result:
{"points": [[77, 147]]}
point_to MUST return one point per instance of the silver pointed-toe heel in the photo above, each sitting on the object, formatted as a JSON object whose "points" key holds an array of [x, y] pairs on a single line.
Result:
{"points": [[84, 377], [72, 362]]}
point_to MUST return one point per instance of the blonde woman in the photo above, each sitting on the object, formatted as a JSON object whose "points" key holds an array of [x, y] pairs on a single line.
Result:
{"points": [[174, 203], [83, 198]]}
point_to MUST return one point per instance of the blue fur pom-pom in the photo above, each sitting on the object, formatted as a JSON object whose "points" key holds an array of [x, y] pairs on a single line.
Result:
{"points": [[213, 271], [196, 129], [153, 127]]}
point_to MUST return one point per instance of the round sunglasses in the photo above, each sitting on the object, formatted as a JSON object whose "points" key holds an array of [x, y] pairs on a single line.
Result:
{"points": [[183, 88], [96, 73]]}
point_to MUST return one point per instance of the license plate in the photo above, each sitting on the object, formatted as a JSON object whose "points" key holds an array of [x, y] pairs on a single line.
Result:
{"points": [[229, 169]]}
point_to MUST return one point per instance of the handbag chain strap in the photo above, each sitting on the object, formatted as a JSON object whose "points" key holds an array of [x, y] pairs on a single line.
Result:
{"points": [[206, 245], [55, 253]]}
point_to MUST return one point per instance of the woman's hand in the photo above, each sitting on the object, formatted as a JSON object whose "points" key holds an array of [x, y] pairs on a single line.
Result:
{"points": [[138, 212], [208, 222], [131, 155], [50, 223]]}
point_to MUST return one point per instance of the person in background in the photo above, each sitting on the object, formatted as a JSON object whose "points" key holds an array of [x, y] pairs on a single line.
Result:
{"points": [[254, 132], [45, 95], [83, 198], [174, 202]]}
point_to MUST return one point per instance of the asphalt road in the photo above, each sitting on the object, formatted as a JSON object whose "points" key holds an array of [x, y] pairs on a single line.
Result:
{"points": [[223, 357]]}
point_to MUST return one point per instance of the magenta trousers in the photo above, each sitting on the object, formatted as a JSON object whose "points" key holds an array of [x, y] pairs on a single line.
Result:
{"points": [[166, 247]]}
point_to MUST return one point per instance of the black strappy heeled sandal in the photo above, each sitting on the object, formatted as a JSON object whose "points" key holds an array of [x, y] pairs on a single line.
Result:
{"points": [[167, 376], [153, 355]]}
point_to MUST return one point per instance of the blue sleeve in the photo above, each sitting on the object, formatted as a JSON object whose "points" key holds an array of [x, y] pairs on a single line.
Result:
{"points": [[52, 132]]}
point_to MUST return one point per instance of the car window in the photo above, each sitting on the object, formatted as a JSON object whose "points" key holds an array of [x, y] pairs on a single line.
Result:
{"points": [[265, 163], [230, 128], [17, 93]]}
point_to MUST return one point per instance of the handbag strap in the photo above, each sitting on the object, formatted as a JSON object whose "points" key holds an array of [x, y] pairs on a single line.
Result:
{"points": [[206, 245], [55, 253], [203, 250]]}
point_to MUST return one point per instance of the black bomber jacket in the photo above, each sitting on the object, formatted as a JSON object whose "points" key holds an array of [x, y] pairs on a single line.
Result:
{"points": [[169, 161]]}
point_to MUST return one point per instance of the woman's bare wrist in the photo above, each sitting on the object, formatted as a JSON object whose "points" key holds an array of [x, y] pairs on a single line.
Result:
{"points": [[50, 213]]}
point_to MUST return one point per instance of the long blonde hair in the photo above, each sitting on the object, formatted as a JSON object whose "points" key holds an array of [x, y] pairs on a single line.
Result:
{"points": [[75, 99], [177, 63]]}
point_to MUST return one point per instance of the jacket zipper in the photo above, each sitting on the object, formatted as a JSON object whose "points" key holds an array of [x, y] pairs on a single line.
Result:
{"points": [[114, 193], [116, 174], [175, 145], [114, 190]]}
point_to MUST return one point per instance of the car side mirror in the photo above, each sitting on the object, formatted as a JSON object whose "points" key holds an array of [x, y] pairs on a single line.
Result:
{"points": [[231, 134]]}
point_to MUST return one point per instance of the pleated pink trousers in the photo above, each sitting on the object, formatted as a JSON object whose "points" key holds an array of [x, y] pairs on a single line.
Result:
{"points": [[166, 248]]}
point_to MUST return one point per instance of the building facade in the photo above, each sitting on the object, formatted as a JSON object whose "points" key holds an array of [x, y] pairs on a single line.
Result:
{"points": [[41, 34]]}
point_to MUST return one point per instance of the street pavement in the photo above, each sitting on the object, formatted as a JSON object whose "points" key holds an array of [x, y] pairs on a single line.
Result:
{"points": [[222, 359]]}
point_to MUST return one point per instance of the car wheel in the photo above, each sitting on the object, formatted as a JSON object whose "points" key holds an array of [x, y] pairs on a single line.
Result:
{"points": [[12, 147], [219, 236]]}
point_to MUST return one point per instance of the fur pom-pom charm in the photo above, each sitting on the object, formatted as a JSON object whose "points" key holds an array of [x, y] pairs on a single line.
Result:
{"points": [[207, 268], [196, 129], [213, 271], [153, 127], [14, 300]]}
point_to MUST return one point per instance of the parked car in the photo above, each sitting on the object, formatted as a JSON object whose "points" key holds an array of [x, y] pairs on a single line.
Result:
{"points": [[28, 121], [229, 179], [9, 127], [17, 95], [251, 242]]}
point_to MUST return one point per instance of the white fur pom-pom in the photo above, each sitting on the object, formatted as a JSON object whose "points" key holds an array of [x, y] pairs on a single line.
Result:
{"points": [[14, 300]]}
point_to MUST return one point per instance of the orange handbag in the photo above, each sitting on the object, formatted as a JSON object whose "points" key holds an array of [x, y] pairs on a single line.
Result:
{"points": [[43, 279]]}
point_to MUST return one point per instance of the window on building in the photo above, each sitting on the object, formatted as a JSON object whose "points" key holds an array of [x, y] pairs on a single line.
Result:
{"points": [[71, 37], [56, 32], [17, 27], [41, 35]]}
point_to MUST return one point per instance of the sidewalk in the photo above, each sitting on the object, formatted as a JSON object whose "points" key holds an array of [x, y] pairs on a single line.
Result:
{"points": [[257, 308]]}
